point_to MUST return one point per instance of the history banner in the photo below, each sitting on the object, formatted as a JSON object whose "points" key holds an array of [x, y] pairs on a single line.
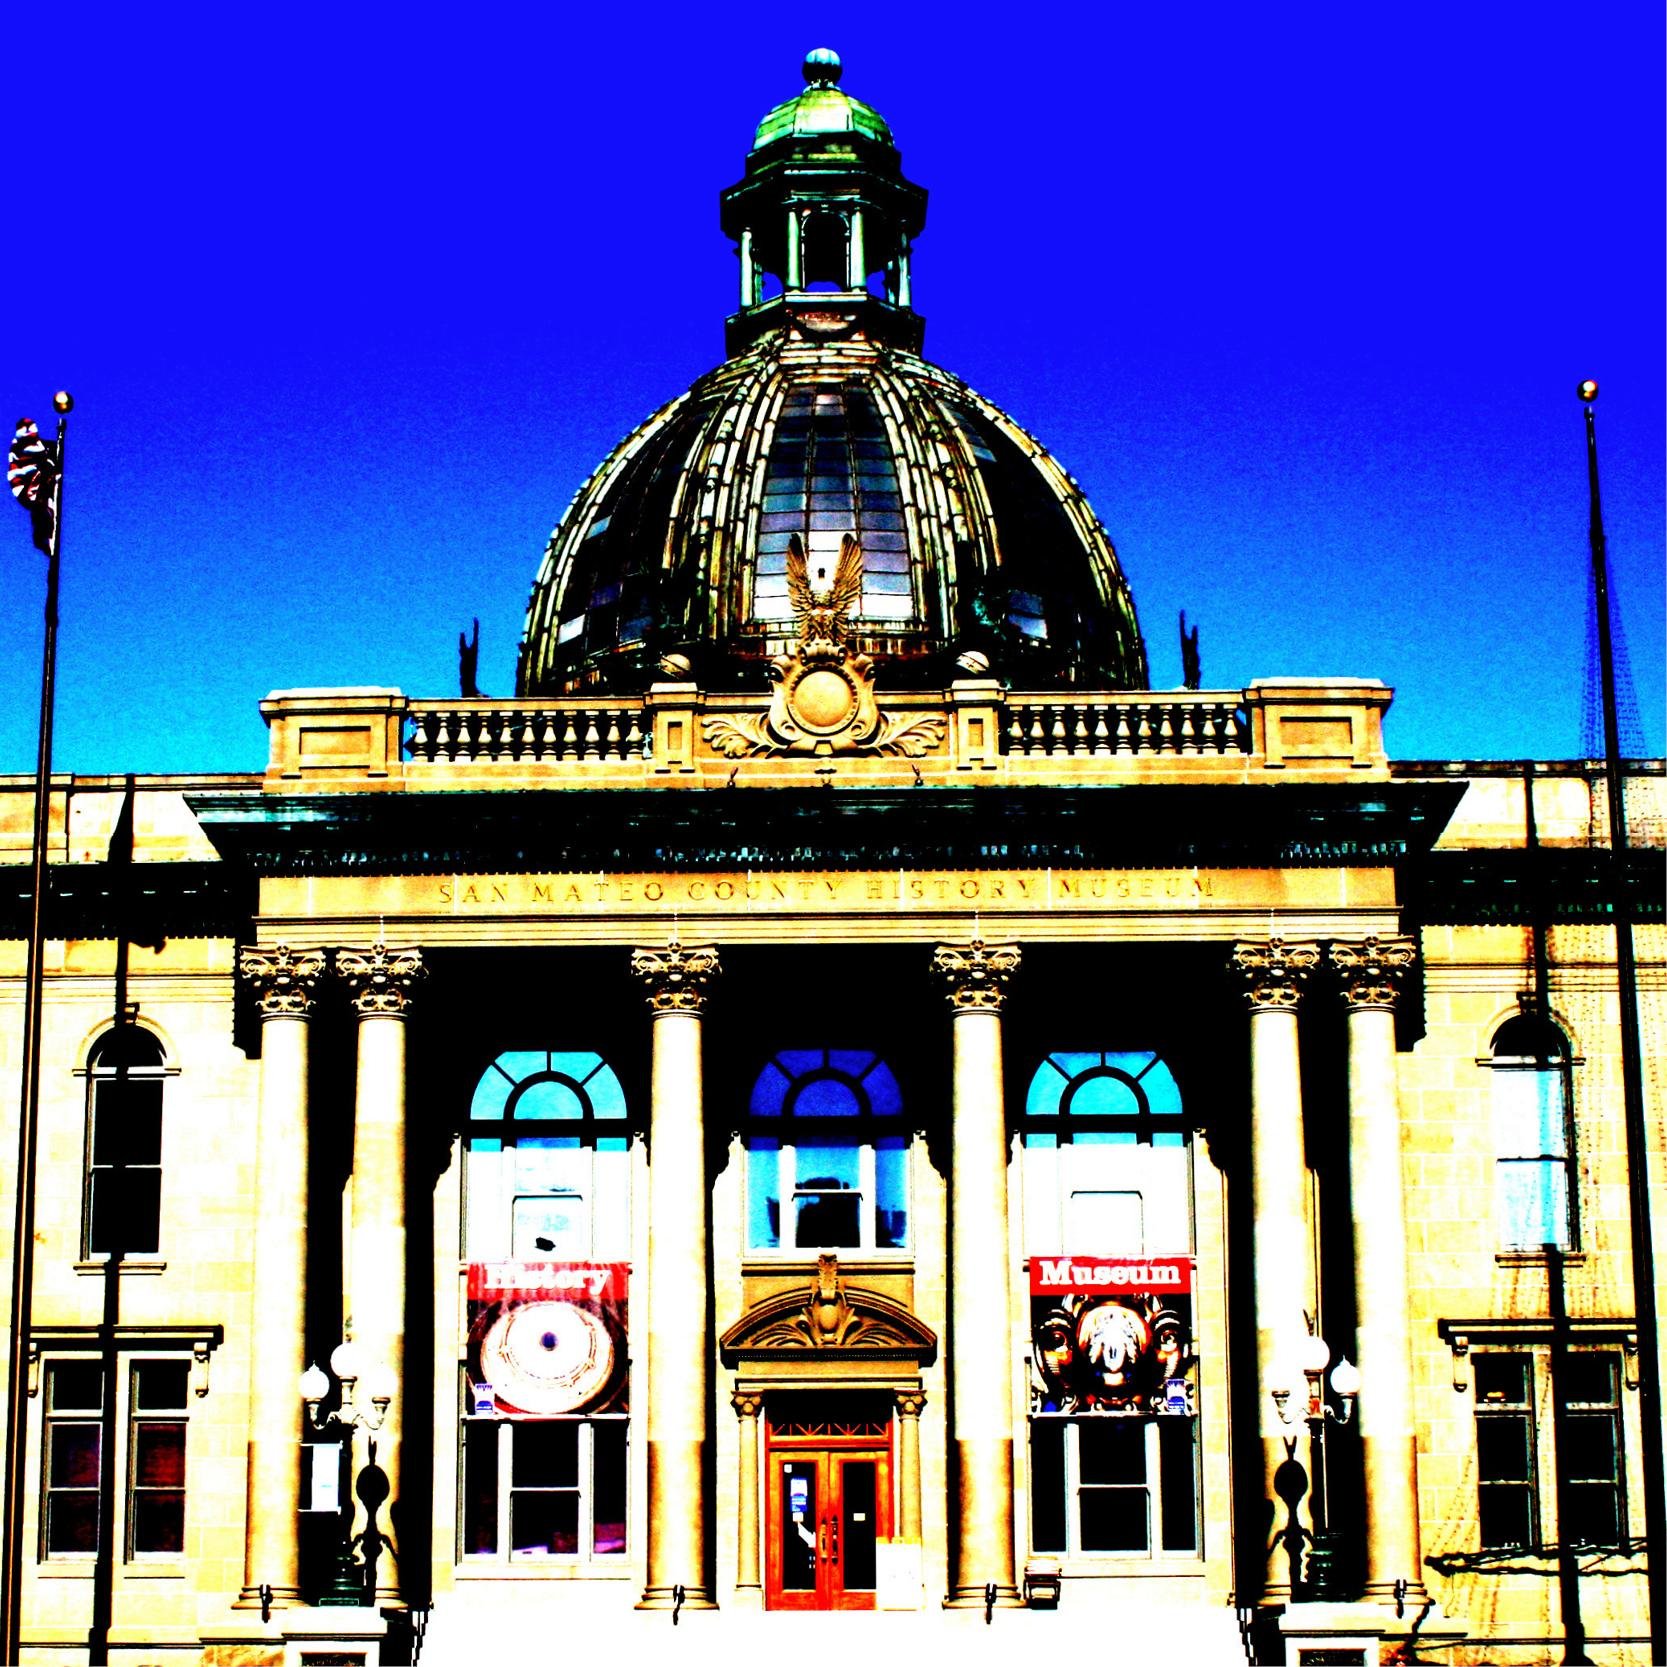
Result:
{"points": [[547, 1338], [1111, 1334]]}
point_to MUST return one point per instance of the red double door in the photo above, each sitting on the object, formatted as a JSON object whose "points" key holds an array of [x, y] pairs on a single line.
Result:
{"points": [[828, 1508]]}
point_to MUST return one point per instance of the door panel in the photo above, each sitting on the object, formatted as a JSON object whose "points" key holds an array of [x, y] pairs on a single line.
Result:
{"points": [[827, 1512]]}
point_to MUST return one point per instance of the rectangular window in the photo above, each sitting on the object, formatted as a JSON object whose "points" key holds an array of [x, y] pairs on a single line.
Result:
{"points": [[156, 1458], [843, 1194], [73, 1444], [1113, 1486], [1531, 1149], [544, 1488], [1506, 1479], [1591, 1456], [124, 1165]]}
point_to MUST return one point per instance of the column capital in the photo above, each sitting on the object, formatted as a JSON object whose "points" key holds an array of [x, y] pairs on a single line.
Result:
{"points": [[910, 1403], [1275, 971], [284, 981], [1372, 969], [976, 975], [380, 980], [677, 977], [748, 1403]]}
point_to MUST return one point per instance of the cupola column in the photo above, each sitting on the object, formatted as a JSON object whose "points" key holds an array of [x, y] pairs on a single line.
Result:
{"points": [[284, 983], [380, 983], [905, 291], [1274, 974], [749, 281], [975, 979], [678, 1285], [794, 278], [856, 254], [1371, 973]]}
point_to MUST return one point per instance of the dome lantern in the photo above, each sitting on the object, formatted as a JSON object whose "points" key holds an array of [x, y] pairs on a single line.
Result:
{"points": [[823, 219]]}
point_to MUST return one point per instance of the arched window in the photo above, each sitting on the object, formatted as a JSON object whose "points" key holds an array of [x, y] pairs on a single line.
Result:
{"points": [[548, 1166], [123, 1198], [827, 1156], [1534, 1194], [1106, 1162]]}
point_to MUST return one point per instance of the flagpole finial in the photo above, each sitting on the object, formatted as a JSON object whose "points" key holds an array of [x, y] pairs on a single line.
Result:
{"points": [[1588, 390], [63, 403]]}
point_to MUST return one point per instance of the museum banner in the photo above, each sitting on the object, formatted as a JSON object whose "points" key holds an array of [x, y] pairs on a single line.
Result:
{"points": [[547, 1338], [1112, 1334]]}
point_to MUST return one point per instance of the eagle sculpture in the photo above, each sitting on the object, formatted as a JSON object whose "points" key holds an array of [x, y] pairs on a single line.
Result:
{"points": [[822, 610]]}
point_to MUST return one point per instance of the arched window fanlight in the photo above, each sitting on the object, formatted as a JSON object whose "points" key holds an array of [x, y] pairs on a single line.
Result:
{"points": [[1532, 1106], [123, 1197]]}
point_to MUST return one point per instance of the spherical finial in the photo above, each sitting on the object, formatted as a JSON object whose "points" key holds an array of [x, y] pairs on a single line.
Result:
{"points": [[822, 67], [62, 402], [1588, 390]]}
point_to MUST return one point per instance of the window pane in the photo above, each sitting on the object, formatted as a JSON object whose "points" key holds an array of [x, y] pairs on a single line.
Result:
{"points": [[480, 1488], [1533, 1201], [769, 1091], [1047, 1485], [547, 1455], [72, 1523], [124, 1211], [548, 1098], [1505, 1516], [1103, 1096], [1114, 1519], [75, 1386], [544, 1524], [827, 1165], [1589, 1447], [608, 1487], [1110, 1223], [826, 1097], [1175, 1459], [127, 1121], [1589, 1378], [1504, 1452], [763, 1194], [1112, 1450], [891, 1175], [1594, 1516], [828, 1221], [158, 1455], [1501, 1377], [542, 1225], [159, 1521], [160, 1385], [73, 1458]]}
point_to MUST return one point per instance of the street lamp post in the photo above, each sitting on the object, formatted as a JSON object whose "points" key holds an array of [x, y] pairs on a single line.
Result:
{"points": [[1299, 1398], [360, 1383]]}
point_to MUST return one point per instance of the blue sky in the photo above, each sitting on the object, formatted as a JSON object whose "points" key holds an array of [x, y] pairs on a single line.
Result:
{"points": [[351, 304]]}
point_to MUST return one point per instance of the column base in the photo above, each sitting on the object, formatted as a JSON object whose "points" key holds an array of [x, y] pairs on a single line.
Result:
{"points": [[282, 1597], [1412, 1597], [665, 1597], [975, 1597]]}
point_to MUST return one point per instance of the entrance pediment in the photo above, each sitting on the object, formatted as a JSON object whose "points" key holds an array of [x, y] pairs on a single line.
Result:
{"points": [[833, 1322]]}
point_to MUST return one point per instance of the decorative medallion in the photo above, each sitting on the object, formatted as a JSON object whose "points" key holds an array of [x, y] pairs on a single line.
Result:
{"points": [[823, 700]]}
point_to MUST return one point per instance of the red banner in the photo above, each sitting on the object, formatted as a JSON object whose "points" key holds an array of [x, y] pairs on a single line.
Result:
{"points": [[1053, 1275]]}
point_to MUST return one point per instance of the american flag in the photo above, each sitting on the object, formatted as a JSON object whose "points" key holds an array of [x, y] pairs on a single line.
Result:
{"points": [[32, 474]]}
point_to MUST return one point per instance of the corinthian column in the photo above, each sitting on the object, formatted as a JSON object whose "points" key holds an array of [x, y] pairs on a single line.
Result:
{"points": [[679, 1298], [1274, 973], [980, 1308], [380, 982], [284, 984], [1371, 973]]}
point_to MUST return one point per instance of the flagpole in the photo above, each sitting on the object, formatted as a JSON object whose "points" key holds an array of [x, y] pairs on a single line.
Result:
{"points": [[1632, 1078], [23, 1236]]}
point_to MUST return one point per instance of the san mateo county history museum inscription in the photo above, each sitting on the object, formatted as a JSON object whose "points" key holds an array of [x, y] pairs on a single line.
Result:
{"points": [[820, 892]]}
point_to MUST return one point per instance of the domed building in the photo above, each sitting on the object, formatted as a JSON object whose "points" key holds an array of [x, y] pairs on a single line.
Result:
{"points": [[835, 1097]]}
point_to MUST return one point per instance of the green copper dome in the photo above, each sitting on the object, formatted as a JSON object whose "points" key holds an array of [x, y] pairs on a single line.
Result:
{"points": [[822, 108], [978, 549]]}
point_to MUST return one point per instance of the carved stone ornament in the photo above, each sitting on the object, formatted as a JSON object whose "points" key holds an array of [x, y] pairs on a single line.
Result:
{"points": [[380, 980], [910, 1402], [823, 697], [748, 1403], [1372, 969], [284, 980], [831, 1318], [1275, 971], [976, 976], [677, 978]]}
